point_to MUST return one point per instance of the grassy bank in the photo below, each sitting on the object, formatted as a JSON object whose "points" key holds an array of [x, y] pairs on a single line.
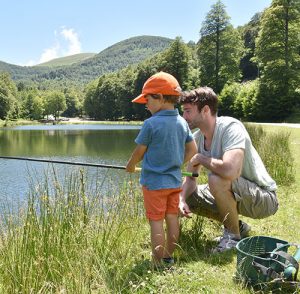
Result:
{"points": [[73, 239], [16, 122], [74, 121]]}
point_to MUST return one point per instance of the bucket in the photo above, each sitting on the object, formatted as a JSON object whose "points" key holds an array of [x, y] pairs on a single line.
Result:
{"points": [[254, 249]]}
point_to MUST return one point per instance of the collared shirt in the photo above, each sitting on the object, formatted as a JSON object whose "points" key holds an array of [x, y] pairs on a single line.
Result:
{"points": [[165, 135]]}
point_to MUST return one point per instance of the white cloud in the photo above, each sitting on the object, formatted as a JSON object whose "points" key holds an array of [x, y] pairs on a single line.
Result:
{"points": [[72, 38], [29, 63], [50, 53], [69, 44]]}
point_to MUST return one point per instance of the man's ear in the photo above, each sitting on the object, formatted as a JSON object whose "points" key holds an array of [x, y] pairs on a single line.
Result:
{"points": [[206, 109]]}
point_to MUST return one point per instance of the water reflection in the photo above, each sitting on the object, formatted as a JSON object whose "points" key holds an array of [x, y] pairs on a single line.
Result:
{"points": [[106, 144]]}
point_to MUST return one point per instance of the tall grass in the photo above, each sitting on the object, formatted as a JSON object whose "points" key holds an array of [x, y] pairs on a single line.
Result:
{"points": [[275, 151], [68, 240]]}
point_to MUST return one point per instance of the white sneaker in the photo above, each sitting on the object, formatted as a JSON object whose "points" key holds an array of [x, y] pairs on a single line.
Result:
{"points": [[227, 242], [244, 231]]}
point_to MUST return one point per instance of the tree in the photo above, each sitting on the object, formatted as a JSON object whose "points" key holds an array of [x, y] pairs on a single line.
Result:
{"points": [[277, 53], [55, 103], [8, 97], [249, 33], [176, 61], [219, 49], [33, 104], [73, 105], [125, 92], [90, 103]]}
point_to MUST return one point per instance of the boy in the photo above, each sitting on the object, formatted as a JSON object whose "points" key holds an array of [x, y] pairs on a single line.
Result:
{"points": [[165, 142]]}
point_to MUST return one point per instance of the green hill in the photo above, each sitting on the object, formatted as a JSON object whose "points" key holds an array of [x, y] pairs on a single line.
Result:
{"points": [[68, 60], [128, 52]]}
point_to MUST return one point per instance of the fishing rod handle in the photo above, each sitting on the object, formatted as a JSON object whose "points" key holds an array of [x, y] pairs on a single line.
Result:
{"points": [[190, 174]]}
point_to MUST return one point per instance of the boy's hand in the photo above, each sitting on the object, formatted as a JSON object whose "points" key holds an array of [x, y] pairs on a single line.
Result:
{"points": [[130, 168]]}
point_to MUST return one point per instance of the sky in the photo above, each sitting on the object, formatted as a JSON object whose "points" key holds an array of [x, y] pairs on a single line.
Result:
{"points": [[35, 31]]}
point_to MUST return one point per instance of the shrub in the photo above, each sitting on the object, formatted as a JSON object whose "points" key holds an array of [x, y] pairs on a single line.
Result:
{"points": [[227, 99], [245, 103]]}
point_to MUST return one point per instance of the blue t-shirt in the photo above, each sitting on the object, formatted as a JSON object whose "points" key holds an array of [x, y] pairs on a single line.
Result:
{"points": [[165, 135]]}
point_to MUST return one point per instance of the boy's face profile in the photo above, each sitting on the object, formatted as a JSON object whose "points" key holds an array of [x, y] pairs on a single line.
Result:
{"points": [[154, 104]]}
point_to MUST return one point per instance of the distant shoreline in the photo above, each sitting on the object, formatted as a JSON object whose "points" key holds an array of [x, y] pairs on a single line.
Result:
{"points": [[73, 120], [77, 120]]}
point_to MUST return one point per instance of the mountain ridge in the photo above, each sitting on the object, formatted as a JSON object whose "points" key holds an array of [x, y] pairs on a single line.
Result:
{"points": [[115, 57], [67, 60]]}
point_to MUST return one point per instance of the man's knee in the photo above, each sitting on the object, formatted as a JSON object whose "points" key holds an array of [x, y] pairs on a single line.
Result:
{"points": [[218, 184]]}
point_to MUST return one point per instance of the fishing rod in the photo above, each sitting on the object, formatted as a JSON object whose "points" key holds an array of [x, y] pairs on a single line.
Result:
{"points": [[137, 169]]}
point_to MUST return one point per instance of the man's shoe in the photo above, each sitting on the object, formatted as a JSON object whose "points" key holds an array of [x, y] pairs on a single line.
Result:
{"points": [[244, 229], [227, 242]]}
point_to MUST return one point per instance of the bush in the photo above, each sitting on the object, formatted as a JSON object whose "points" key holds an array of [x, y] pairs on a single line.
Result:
{"points": [[246, 101], [227, 99]]}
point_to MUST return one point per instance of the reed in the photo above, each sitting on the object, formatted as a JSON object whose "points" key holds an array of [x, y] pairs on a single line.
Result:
{"points": [[274, 149], [71, 240]]}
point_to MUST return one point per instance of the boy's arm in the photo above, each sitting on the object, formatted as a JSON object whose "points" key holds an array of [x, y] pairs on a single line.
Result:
{"points": [[136, 156], [188, 187], [190, 150]]}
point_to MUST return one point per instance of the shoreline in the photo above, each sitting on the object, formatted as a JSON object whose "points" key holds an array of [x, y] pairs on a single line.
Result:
{"points": [[77, 120], [64, 121]]}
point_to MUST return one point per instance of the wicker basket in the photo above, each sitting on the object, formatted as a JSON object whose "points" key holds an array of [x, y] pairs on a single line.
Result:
{"points": [[253, 249]]}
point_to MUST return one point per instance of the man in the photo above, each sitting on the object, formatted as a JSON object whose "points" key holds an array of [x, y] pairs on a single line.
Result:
{"points": [[238, 182]]}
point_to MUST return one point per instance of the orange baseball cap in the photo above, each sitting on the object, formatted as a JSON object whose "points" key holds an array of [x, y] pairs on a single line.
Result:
{"points": [[160, 83]]}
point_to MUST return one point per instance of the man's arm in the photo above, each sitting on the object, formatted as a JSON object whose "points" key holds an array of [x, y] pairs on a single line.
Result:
{"points": [[188, 187], [136, 156], [229, 167]]}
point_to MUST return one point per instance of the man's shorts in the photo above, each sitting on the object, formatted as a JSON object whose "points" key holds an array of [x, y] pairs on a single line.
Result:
{"points": [[252, 200], [158, 203]]}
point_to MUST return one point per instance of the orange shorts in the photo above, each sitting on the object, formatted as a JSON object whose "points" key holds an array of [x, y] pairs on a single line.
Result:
{"points": [[158, 203]]}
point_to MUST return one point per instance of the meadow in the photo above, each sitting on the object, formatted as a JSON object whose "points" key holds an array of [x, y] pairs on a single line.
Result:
{"points": [[75, 239]]}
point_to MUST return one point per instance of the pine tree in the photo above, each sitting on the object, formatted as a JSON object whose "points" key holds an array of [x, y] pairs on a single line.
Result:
{"points": [[219, 49], [176, 61], [277, 53]]}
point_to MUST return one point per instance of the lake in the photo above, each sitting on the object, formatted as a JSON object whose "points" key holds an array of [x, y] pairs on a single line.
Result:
{"points": [[95, 143]]}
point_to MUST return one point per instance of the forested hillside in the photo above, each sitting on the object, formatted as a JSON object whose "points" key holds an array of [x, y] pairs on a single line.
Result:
{"points": [[117, 56], [67, 60]]}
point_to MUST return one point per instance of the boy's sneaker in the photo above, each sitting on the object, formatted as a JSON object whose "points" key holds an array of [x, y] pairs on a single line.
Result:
{"points": [[168, 262], [227, 242]]}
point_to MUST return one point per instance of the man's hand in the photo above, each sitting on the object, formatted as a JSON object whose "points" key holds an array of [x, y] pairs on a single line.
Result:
{"points": [[184, 209], [197, 160]]}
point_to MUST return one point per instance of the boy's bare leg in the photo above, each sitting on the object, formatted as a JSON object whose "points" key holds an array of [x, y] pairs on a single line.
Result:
{"points": [[157, 239], [172, 234]]}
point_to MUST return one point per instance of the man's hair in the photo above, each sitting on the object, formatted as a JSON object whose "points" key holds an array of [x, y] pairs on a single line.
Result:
{"points": [[168, 98], [201, 96]]}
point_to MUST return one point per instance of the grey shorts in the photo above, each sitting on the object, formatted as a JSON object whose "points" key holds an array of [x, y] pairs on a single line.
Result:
{"points": [[252, 200]]}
